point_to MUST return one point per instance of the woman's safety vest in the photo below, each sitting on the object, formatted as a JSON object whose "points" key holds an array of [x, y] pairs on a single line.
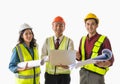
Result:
{"points": [[51, 46], [31, 76], [95, 50]]}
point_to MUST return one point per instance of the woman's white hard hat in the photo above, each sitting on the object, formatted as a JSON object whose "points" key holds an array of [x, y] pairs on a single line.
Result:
{"points": [[24, 26]]}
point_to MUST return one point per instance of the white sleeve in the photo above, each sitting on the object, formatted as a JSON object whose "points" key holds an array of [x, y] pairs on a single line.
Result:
{"points": [[44, 51], [71, 45]]}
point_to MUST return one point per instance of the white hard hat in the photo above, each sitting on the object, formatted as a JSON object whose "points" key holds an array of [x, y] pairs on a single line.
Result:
{"points": [[24, 26]]}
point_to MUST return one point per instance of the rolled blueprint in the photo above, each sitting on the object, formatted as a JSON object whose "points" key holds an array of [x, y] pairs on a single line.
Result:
{"points": [[106, 55], [34, 63]]}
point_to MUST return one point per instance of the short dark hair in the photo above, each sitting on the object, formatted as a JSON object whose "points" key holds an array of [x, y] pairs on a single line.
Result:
{"points": [[93, 19]]}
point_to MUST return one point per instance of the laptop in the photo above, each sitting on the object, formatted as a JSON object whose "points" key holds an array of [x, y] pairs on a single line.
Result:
{"points": [[64, 57]]}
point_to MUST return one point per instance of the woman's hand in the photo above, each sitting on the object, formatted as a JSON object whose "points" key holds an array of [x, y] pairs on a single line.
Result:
{"points": [[23, 69]]}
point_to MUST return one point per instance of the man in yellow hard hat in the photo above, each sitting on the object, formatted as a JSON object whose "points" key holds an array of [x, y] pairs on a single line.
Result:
{"points": [[91, 46]]}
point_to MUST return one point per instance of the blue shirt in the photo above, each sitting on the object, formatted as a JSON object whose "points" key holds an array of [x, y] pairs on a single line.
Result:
{"points": [[15, 58]]}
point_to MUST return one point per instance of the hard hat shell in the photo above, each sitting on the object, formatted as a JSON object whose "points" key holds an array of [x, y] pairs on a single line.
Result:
{"points": [[91, 16], [24, 26], [58, 19]]}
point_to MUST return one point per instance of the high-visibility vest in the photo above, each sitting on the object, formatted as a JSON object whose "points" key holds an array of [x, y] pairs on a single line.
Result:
{"points": [[95, 50], [31, 76], [51, 46]]}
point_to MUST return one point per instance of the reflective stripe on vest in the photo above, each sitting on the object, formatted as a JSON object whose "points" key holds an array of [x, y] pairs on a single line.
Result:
{"points": [[51, 46], [28, 75], [95, 50]]}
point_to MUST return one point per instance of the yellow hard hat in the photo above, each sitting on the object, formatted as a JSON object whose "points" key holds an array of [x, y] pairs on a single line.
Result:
{"points": [[91, 16]]}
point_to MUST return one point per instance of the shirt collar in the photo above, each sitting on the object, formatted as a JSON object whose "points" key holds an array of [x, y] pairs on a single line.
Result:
{"points": [[61, 37], [92, 36], [26, 45]]}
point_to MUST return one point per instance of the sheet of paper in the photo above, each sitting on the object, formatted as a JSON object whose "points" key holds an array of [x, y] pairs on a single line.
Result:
{"points": [[64, 57]]}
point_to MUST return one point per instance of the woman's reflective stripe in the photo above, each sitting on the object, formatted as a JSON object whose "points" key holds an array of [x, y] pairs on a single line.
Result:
{"points": [[20, 54], [27, 77]]}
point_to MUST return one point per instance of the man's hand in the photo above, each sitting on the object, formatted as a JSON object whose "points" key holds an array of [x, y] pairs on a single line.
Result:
{"points": [[77, 55], [63, 66], [42, 62], [103, 64]]}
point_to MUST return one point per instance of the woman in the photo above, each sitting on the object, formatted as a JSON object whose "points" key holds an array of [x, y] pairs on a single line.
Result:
{"points": [[25, 50]]}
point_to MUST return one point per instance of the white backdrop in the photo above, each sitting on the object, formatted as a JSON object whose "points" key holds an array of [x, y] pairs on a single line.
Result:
{"points": [[40, 13]]}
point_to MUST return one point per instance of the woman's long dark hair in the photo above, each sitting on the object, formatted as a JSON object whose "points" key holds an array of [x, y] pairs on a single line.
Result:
{"points": [[21, 40]]}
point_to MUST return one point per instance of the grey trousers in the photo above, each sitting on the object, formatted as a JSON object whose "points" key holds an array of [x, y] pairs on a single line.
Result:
{"points": [[88, 77]]}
